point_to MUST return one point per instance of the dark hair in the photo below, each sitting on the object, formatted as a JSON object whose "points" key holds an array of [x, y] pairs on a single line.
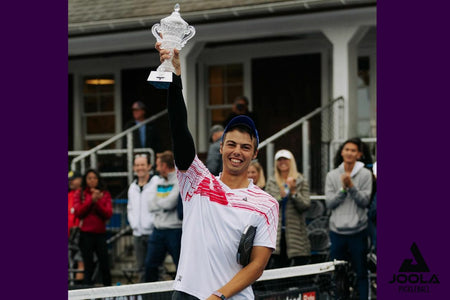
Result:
{"points": [[167, 157], [366, 158], [241, 98], [101, 184], [243, 129]]}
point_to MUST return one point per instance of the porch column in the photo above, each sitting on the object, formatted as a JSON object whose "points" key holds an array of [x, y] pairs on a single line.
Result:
{"points": [[345, 40], [188, 59]]}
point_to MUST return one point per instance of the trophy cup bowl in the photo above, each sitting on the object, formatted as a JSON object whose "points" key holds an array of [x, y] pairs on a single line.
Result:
{"points": [[173, 33]]}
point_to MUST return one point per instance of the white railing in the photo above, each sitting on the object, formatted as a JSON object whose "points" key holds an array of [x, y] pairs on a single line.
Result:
{"points": [[337, 104], [167, 286], [97, 150]]}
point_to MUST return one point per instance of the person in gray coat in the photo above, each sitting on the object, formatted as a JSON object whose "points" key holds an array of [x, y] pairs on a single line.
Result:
{"points": [[291, 189]]}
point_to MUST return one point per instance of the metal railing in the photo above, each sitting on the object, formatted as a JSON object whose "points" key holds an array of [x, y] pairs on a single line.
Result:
{"points": [[332, 139], [97, 150], [120, 241], [332, 116]]}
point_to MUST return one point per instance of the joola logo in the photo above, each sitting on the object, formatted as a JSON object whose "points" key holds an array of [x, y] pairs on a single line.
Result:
{"points": [[413, 275]]}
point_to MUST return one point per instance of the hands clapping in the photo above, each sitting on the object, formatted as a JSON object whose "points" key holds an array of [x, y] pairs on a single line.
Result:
{"points": [[346, 180], [96, 194], [291, 187]]}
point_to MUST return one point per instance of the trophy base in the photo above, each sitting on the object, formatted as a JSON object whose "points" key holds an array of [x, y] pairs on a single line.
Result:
{"points": [[160, 80]]}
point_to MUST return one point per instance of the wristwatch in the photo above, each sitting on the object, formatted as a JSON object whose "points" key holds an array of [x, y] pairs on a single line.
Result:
{"points": [[220, 295]]}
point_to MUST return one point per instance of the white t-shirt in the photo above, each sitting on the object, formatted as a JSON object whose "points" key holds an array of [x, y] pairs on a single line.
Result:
{"points": [[214, 217]]}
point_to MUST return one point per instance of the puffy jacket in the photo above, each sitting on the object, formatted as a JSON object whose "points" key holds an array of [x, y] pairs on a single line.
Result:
{"points": [[139, 216], [93, 215], [297, 241]]}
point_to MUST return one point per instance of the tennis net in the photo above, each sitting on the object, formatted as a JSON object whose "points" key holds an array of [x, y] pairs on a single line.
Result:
{"points": [[307, 282]]}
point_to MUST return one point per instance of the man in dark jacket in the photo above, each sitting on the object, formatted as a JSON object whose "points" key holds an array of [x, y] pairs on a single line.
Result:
{"points": [[146, 136], [214, 157], [240, 107]]}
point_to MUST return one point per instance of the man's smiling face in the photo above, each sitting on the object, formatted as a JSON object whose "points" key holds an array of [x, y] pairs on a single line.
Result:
{"points": [[238, 150]]}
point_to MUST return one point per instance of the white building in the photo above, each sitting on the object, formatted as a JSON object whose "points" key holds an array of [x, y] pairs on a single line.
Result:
{"points": [[287, 57]]}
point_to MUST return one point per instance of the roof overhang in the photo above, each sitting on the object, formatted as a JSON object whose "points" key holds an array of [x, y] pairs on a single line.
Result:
{"points": [[217, 15]]}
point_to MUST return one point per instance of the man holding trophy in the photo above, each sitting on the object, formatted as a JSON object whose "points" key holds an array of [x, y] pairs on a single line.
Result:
{"points": [[218, 210]]}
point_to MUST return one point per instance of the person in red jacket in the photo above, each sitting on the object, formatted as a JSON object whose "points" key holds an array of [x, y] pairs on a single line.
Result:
{"points": [[76, 261], [74, 185], [93, 206]]}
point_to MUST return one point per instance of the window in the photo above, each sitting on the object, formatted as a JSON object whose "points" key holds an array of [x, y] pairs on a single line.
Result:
{"points": [[365, 120], [225, 82], [98, 113]]}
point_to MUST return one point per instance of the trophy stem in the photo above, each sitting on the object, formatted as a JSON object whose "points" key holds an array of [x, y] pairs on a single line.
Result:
{"points": [[162, 77]]}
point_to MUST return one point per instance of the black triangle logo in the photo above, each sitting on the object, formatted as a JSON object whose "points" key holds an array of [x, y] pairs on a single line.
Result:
{"points": [[420, 265]]}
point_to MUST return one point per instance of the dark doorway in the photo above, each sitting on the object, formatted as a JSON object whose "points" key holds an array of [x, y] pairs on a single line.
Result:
{"points": [[284, 90], [135, 87], [70, 112]]}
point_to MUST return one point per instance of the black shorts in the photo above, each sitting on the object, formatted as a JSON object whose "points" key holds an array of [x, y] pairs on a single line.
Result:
{"points": [[178, 295]]}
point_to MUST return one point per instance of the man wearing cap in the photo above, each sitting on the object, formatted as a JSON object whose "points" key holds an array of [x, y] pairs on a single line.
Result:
{"points": [[214, 158], [218, 209], [147, 135]]}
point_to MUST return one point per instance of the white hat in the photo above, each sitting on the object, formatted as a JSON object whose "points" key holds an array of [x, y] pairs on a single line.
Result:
{"points": [[283, 153]]}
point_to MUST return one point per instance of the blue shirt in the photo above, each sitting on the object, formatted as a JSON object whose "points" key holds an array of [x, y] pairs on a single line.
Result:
{"points": [[142, 134]]}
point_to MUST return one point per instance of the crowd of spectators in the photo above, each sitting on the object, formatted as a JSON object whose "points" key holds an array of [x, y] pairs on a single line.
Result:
{"points": [[154, 215]]}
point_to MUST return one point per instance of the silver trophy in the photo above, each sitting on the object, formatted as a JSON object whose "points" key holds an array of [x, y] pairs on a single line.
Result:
{"points": [[173, 32]]}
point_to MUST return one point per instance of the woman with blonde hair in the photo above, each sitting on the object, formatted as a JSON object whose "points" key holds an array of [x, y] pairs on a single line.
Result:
{"points": [[256, 173], [291, 190]]}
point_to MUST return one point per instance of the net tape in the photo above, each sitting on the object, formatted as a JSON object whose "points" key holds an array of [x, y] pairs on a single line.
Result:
{"points": [[167, 286]]}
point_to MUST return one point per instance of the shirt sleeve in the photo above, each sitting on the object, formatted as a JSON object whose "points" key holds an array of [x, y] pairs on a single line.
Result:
{"points": [[333, 196], [170, 201], [183, 143], [266, 230], [189, 180], [361, 194], [81, 208], [301, 199], [103, 206], [130, 215]]}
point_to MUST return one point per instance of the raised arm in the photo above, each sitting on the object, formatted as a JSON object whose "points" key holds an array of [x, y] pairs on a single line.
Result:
{"points": [[182, 141]]}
